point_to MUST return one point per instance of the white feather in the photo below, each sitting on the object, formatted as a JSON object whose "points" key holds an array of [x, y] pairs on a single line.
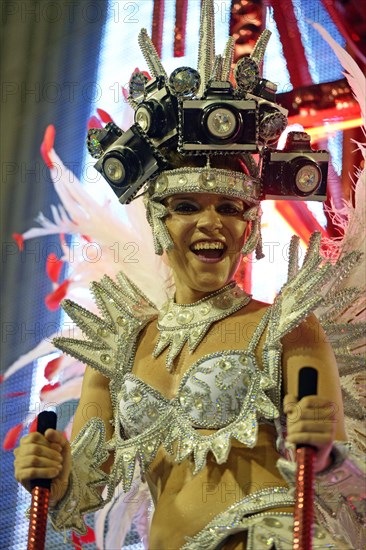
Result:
{"points": [[353, 73]]}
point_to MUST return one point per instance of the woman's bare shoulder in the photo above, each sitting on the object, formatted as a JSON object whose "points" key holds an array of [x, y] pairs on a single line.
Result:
{"points": [[254, 308]]}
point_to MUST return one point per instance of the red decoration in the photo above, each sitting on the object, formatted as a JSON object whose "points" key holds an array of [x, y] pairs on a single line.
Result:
{"points": [[104, 116], [157, 26], [246, 25], [293, 49], [181, 8], [15, 394], [51, 367], [53, 299], [18, 238], [33, 425], [49, 387], [300, 219], [125, 93], [47, 145], [94, 122], [145, 73], [88, 538], [12, 436], [53, 267]]}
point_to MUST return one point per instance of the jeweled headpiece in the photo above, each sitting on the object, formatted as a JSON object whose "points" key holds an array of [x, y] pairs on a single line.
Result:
{"points": [[208, 129]]}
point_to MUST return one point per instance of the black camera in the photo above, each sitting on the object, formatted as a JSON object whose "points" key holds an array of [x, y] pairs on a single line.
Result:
{"points": [[156, 113], [126, 159], [219, 122], [295, 172]]}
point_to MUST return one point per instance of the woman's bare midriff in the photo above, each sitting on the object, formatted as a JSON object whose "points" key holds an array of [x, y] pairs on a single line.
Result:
{"points": [[186, 503]]}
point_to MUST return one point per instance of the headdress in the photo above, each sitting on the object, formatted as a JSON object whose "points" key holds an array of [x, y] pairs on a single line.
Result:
{"points": [[206, 130]]}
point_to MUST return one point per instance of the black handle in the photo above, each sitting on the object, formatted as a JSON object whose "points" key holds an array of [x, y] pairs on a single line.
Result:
{"points": [[307, 385], [308, 382], [45, 420]]}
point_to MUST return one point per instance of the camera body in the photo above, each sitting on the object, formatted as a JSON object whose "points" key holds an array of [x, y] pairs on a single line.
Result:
{"points": [[128, 162], [156, 112], [218, 122], [296, 172]]}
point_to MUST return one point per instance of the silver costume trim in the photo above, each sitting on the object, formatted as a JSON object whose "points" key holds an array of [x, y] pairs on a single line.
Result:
{"points": [[111, 349], [265, 529]]}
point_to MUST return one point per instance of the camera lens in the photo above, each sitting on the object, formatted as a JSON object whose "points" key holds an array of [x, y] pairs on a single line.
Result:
{"points": [[308, 176], [114, 170], [121, 166], [151, 118], [143, 118], [220, 123]]}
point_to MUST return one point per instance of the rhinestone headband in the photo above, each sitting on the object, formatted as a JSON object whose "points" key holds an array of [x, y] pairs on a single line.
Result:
{"points": [[207, 179]]}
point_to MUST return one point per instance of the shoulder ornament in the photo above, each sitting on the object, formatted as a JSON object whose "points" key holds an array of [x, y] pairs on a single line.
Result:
{"points": [[321, 287], [125, 311]]}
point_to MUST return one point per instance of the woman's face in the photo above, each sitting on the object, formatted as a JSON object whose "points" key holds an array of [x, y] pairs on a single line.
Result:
{"points": [[208, 235]]}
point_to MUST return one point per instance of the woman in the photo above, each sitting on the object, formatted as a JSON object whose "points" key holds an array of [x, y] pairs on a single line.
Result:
{"points": [[193, 393], [208, 231]]}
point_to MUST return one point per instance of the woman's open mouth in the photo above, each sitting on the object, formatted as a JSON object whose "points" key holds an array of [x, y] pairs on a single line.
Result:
{"points": [[208, 251]]}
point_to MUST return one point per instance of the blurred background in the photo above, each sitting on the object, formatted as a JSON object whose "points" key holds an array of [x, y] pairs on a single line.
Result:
{"points": [[60, 62]]}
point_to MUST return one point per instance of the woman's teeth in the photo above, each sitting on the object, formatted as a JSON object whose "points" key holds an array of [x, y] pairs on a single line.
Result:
{"points": [[208, 246], [209, 251]]}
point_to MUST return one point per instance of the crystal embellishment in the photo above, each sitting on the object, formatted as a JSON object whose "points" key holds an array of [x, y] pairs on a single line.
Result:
{"points": [[184, 81], [181, 323]]}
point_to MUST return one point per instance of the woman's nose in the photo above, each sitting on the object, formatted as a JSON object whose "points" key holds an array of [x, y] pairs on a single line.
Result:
{"points": [[209, 219]]}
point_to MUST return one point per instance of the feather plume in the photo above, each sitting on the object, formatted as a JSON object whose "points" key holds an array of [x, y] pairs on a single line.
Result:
{"points": [[133, 507], [353, 73], [351, 219]]}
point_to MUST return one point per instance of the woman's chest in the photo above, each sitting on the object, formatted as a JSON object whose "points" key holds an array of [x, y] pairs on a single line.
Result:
{"points": [[201, 366]]}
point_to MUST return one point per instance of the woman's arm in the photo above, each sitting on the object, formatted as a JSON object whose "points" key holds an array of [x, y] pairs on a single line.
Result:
{"points": [[95, 401], [319, 420], [48, 456]]}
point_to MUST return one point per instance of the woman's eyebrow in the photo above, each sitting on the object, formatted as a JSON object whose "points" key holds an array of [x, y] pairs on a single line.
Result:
{"points": [[231, 199]]}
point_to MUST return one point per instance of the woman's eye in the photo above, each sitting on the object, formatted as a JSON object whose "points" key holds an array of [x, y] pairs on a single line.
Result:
{"points": [[185, 208], [230, 209]]}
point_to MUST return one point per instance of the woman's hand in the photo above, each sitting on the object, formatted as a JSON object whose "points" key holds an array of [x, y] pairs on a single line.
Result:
{"points": [[311, 421], [45, 456]]}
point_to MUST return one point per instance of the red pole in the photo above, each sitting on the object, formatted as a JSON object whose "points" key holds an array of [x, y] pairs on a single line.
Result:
{"points": [[304, 499], [38, 518]]}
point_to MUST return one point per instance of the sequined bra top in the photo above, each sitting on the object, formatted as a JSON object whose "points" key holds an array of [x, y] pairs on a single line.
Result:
{"points": [[211, 394]]}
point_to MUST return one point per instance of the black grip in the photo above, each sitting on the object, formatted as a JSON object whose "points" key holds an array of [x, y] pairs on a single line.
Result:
{"points": [[45, 420], [308, 382], [308, 385]]}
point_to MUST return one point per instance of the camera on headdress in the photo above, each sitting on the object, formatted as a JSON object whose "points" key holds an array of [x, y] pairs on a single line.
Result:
{"points": [[297, 171], [156, 112], [218, 122], [126, 159], [272, 118]]}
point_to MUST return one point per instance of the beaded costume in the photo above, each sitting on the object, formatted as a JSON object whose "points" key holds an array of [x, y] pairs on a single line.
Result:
{"points": [[225, 390], [149, 420]]}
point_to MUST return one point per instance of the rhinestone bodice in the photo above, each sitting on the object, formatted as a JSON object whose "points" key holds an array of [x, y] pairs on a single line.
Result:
{"points": [[211, 394]]}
